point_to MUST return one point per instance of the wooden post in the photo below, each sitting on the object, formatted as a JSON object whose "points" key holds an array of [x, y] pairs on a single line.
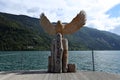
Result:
{"points": [[49, 63], [58, 61], [71, 68], [58, 53], [52, 55], [65, 55]]}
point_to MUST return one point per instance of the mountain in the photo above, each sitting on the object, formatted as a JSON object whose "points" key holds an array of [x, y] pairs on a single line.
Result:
{"points": [[89, 38], [20, 32]]}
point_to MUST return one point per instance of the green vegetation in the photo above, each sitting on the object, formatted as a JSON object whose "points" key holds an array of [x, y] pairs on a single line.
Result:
{"points": [[94, 39], [20, 32]]}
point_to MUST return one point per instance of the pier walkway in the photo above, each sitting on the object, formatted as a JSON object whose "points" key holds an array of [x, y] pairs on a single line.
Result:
{"points": [[42, 75]]}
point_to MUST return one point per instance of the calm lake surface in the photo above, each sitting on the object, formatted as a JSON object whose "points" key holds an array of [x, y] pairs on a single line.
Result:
{"points": [[106, 61]]}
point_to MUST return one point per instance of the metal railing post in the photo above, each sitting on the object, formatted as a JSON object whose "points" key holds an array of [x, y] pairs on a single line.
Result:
{"points": [[21, 61], [93, 63]]}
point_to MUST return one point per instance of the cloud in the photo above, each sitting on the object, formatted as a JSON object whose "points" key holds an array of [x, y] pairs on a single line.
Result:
{"points": [[33, 10], [98, 11]]}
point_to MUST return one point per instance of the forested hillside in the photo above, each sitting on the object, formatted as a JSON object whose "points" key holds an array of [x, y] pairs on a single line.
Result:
{"points": [[20, 32]]}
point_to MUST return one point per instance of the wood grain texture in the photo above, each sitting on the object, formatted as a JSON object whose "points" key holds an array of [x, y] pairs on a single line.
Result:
{"points": [[41, 75], [71, 68], [65, 55], [59, 53], [77, 22]]}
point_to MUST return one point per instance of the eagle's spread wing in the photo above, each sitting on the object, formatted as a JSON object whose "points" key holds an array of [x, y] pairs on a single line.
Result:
{"points": [[75, 24], [47, 26]]}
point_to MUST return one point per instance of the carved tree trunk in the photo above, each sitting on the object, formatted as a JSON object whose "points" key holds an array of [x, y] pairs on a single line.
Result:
{"points": [[65, 55], [49, 64], [58, 53], [53, 55], [58, 61]]}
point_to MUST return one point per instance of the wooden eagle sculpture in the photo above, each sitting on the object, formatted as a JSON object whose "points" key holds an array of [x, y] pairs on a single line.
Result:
{"points": [[77, 22]]}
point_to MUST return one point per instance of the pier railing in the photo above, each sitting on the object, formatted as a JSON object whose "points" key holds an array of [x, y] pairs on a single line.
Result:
{"points": [[23, 60], [35, 60]]}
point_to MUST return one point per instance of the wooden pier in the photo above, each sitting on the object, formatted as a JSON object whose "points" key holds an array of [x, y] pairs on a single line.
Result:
{"points": [[42, 75]]}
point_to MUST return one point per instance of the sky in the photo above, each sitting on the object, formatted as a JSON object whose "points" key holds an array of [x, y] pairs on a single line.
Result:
{"points": [[101, 14]]}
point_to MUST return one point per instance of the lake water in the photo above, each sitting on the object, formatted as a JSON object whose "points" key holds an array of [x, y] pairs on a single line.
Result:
{"points": [[107, 61]]}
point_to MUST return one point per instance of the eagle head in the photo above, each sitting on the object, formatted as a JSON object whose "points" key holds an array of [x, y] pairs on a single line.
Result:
{"points": [[59, 27]]}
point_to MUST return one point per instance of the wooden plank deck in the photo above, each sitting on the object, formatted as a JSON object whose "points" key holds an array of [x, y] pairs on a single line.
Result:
{"points": [[42, 75]]}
